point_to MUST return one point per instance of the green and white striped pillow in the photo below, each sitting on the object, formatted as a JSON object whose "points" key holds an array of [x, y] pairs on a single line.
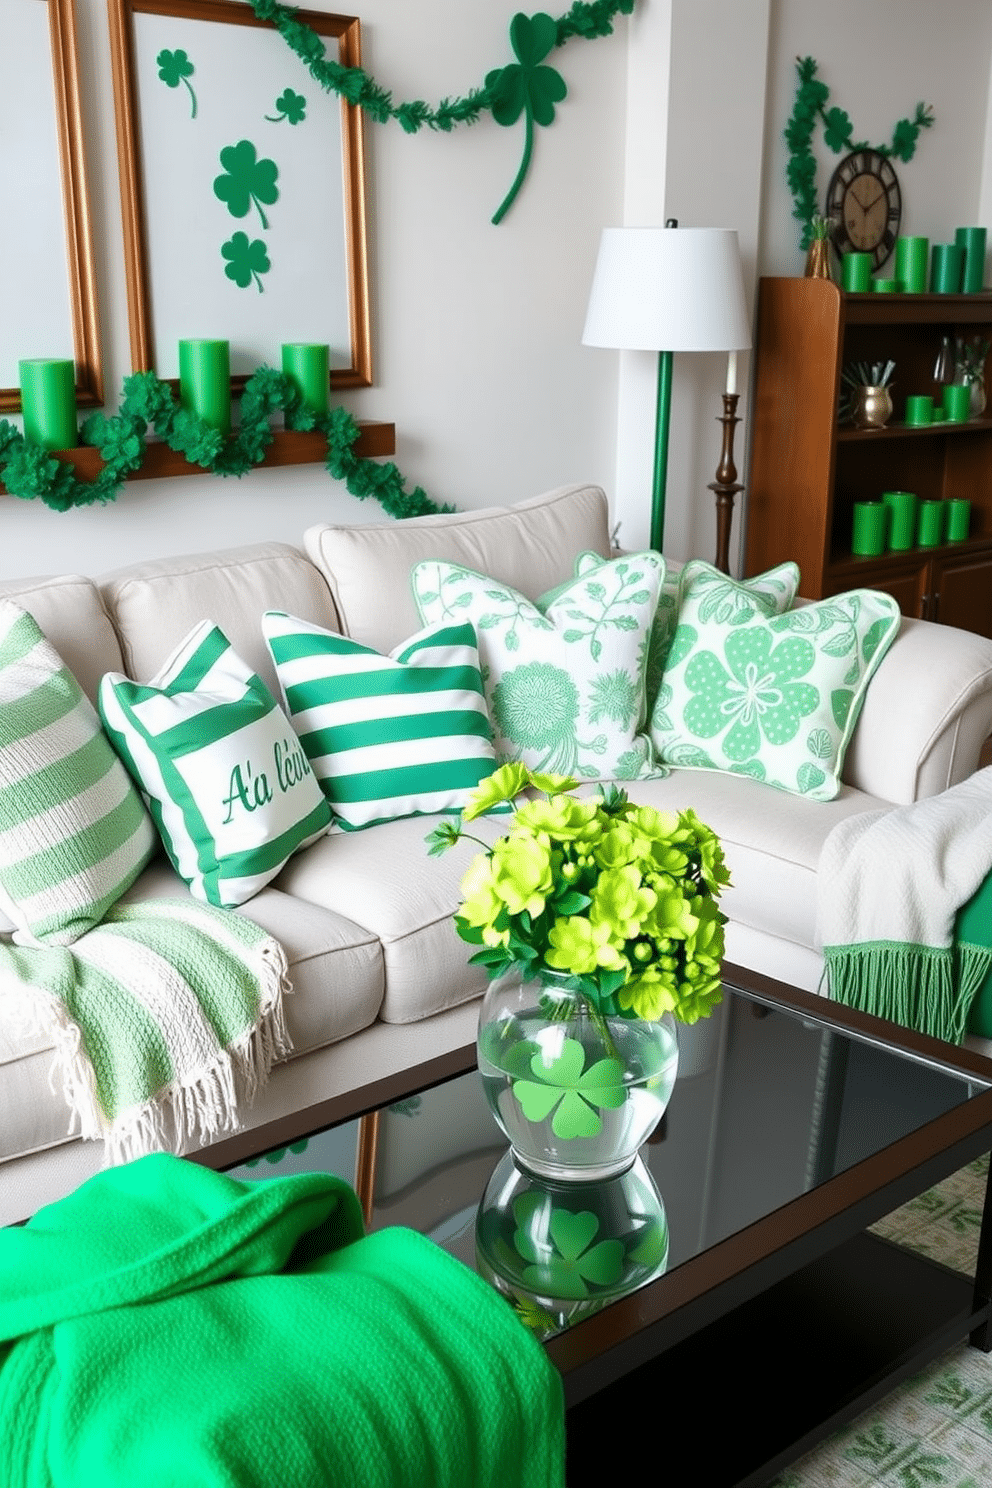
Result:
{"points": [[388, 736], [231, 791], [73, 831]]}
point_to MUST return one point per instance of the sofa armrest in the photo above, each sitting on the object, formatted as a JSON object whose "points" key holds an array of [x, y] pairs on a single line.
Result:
{"points": [[926, 715]]}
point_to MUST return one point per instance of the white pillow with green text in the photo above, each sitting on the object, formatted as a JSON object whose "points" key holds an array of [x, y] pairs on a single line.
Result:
{"points": [[774, 697], [226, 779], [565, 689]]}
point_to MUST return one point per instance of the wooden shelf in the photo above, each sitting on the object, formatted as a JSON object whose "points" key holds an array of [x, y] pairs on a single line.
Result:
{"points": [[288, 447], [807, 471]]}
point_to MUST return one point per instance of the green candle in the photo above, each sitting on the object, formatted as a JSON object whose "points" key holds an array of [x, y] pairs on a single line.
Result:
{"points": [[205, 381], [48, 401], [306, 365]]}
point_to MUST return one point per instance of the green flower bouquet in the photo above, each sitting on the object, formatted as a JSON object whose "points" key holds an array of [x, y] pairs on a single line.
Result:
{"points": [[598, 925], [620, 899]]}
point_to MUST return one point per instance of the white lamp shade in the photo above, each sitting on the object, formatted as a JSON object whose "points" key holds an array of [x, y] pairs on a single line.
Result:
{"points": [[668, 289]]}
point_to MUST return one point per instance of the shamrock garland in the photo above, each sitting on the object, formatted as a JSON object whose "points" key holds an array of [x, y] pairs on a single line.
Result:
{"points": [[28, 471], [811, 105], [523, 87]]}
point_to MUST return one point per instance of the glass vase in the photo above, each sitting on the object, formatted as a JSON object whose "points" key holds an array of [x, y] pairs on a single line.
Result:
{"points": [[560, 1251], [576, 1094]]}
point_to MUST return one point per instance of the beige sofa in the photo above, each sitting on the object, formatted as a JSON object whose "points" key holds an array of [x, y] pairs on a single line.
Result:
{"points": [[383, 994]]}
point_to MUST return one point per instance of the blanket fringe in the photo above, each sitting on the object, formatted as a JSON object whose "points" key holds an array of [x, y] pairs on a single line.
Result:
{"points": [[926, 988], [185, 1116]]}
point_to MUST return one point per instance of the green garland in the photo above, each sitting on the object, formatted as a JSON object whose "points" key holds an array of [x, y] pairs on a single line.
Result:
{"points": [[811, 106], [523, 87], [30, 472]]}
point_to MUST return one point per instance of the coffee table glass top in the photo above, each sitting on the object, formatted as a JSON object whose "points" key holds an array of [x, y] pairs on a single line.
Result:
{"points": [[769, 1104]]}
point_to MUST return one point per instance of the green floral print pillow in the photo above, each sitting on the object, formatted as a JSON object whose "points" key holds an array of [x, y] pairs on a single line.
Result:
{"points": [[774, 592], [565, 689], [772, 696]]}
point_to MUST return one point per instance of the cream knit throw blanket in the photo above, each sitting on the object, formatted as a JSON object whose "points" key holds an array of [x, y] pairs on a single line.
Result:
{"points": [[890, 884], [166, 1019]]}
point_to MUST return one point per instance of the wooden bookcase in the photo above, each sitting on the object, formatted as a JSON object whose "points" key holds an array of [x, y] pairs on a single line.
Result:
{"points": [[808, 469]]}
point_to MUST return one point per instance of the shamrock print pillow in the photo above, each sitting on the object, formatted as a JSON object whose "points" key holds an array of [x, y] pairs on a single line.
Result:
{"points": [[565, 688], [772, 696]]}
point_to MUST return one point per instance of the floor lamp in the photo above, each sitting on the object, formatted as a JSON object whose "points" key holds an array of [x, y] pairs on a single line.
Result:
{"points": [[669, 289]]}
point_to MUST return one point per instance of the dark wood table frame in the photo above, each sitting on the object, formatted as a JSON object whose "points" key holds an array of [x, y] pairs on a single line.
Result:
{"points": [[755, 1350]]}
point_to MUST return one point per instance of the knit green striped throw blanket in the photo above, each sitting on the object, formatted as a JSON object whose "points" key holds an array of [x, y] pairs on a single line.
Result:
{"points": [[166, 1324], [166, 1018], [890, 885]]}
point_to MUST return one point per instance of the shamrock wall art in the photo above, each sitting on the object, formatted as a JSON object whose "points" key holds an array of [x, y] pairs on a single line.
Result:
{"points": [[234, 164]]}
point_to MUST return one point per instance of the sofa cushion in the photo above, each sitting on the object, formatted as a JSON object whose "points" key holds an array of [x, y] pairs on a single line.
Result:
{"points": [[530, 546], [776, 697], [387, 736], [70, 610], [154, 605], [565, 688], [230, 788], [336, 974], [773, 592], [73, 831], [385, 880]]}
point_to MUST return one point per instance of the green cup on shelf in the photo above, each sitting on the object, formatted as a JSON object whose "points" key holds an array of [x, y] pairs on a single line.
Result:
{"points": [[930, 524], [946, 268], [48, 401], [886, 286], [306, 364], [919, 408], [957, 402], [855, 272], [972, 240], [903, 506], [205, 381], [911, 263], [958, 518], [871, 522]]}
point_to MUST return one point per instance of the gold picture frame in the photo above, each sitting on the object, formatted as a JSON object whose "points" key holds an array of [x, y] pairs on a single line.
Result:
{"points": [[75, 210], [163, 143]]}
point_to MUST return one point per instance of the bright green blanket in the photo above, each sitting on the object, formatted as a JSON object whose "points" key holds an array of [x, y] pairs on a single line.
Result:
{"points": [[169, 1327]]}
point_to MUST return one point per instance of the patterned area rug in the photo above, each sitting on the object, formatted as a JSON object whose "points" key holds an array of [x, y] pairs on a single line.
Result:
{"points": [[936, 1429]]}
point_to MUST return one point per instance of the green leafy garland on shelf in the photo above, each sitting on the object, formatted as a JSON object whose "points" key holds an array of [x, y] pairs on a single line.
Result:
{"points": [[30, 472], [809, 107], [523, 87]]}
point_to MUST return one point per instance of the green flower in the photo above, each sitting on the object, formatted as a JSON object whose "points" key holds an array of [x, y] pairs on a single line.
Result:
{"points": [[580, 947], [756, 692], [521, 873], [621, 902], [564, 818], [482, 906]]}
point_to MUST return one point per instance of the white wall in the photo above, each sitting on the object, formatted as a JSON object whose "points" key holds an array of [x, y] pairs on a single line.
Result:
{"points": [[477, 329]]}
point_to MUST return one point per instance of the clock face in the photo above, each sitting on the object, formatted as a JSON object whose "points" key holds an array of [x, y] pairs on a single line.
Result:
{"points": [[864, 205]]}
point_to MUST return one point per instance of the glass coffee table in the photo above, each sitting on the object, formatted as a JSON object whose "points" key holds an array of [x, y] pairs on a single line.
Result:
{"points": [[732, 1302]]}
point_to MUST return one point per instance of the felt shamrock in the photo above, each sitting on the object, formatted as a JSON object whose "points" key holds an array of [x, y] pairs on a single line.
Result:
{"points": [[246, 181], [526, 87], [247, 260], [175, 68]]}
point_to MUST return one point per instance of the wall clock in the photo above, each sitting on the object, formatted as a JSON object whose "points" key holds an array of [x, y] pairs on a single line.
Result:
{"points": [[864, 205]]}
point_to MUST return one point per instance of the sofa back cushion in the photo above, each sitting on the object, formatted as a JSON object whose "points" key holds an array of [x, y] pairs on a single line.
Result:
{"points": [[531, 546], [156, 604], [71, 613]]}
